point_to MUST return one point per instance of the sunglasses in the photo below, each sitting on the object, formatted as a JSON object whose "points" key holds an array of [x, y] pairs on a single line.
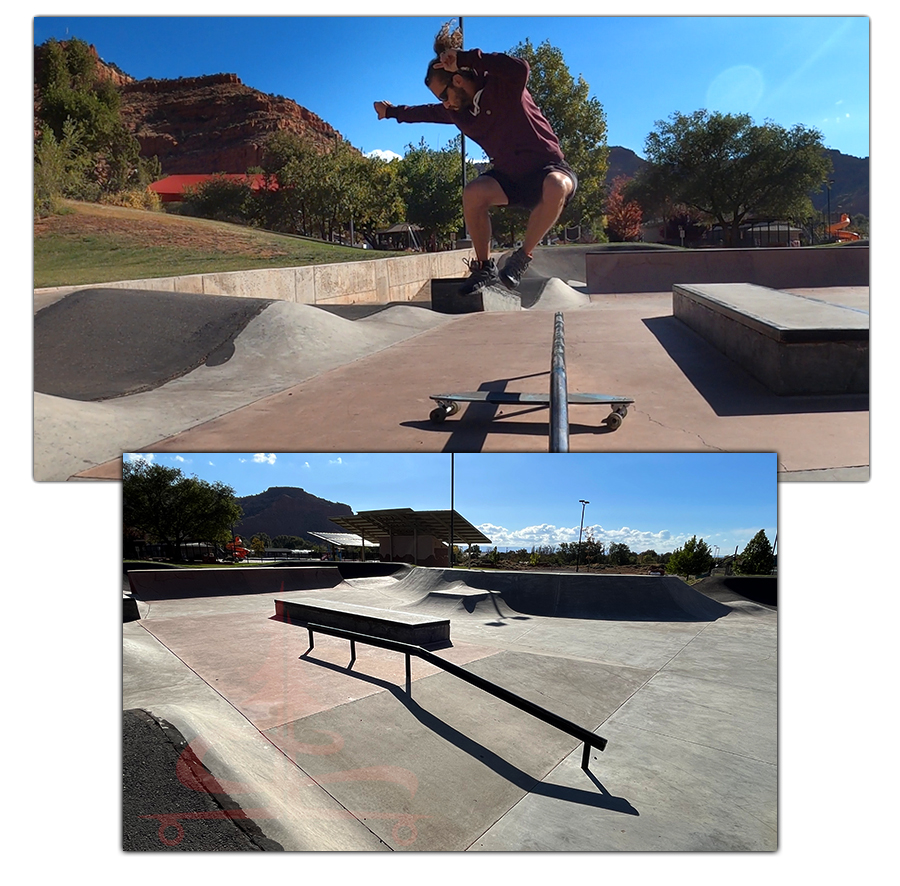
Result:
{"points": [[443, 96]]}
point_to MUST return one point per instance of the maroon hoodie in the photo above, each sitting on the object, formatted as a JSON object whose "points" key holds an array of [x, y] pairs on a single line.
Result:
{"points": [[508, 124]]}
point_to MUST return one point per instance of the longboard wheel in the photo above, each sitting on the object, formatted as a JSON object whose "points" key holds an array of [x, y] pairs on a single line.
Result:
{"points": [[438, 414], [613, 421]]}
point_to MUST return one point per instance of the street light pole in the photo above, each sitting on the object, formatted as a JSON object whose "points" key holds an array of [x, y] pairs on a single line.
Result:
{"points": [[578, 552]]}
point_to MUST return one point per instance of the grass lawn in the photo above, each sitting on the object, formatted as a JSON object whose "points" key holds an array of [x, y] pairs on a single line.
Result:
{"points": [[91, 243]]}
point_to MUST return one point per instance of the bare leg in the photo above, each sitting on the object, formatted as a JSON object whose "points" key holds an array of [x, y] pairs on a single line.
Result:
{"points": [[557, 186], [478, 198]]}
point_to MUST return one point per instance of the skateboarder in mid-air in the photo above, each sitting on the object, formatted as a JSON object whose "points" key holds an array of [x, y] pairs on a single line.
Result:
{"points": [[484, 94]]}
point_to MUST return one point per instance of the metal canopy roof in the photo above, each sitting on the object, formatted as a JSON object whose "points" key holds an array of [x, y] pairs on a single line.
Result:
{"points": [[346, 539], [405, 521]]}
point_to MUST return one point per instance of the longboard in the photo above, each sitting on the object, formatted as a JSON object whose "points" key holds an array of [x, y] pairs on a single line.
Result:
{"points": [[448, 404]]}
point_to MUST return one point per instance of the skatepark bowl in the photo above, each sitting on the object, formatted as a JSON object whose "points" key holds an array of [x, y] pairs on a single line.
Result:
{"points": [[732, 369], [316, 742]]}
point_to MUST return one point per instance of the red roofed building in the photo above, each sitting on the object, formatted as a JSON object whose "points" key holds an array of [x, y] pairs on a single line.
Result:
{"points": [[171, 188]]}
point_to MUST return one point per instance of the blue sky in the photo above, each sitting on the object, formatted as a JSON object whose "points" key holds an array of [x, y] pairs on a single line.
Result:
{"points": [[792, 70], [647, 501]]}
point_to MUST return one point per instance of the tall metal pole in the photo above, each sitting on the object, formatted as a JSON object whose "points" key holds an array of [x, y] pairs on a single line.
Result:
{"points": [[578, 552], [462, 141], [452, 506]]}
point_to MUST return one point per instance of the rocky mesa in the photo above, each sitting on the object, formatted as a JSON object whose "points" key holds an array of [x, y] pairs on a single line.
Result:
{"points": [[204, 125], [213, 123]]}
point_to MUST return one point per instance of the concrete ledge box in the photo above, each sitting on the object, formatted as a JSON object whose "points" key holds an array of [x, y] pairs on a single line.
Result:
{"points": [[446, 298], [793, 345], [404, 627]]}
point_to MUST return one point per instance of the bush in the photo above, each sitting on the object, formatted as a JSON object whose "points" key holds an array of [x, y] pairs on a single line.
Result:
{"points": [[134, 198], [220, 199]]}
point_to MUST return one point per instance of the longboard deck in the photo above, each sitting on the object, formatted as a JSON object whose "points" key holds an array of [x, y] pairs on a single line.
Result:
{"points": [[513, 397]]}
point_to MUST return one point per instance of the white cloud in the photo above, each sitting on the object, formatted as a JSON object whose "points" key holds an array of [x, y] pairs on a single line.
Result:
{"points": [[336, 461], [178, 458], [306, 465], [264, 458], [384, 155], [139, 456], [547, 534]]}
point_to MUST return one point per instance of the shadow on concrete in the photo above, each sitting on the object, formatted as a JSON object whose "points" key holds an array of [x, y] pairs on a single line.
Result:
{"points": [[475, 421], [503, 768], [99, 344], [728, 389]]}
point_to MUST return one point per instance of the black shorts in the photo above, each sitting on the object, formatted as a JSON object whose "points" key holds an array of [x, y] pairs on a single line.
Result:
{"points": [[527, 191]]}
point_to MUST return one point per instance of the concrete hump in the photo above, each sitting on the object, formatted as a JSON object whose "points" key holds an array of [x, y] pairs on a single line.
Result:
{"points": [[571, 595], [177, 584], [98, 344]]}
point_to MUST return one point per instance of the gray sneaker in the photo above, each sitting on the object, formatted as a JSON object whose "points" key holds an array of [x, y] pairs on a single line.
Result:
{"points": [[512, 272], [481, 274]]}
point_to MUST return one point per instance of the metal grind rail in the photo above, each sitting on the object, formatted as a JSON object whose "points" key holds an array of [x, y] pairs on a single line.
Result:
{"points": [[559, 394], [558, 398], [589, 738]]}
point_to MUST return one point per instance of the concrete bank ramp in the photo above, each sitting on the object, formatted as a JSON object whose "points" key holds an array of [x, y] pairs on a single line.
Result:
{"points": [[559, 594], [100, 344]]}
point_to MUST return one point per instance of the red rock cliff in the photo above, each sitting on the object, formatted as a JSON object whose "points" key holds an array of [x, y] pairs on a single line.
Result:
{"points": [[213, 123]]}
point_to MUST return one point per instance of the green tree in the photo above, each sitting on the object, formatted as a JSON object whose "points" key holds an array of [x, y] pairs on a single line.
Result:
{"points": [[620, 554], [71, 93], [730, 169], [321, 193], [61, 167], [693, 558], [221, 199], [430, 184], [757, 558], [170, 508], [259, 543], [579, 121]]}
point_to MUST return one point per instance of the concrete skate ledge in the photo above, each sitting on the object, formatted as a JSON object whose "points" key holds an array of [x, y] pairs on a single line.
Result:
{"points": [[792, 344], [447, 299], [404, 627]]}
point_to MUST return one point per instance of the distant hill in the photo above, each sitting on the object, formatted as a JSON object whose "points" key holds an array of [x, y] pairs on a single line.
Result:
{"points": [[288, 510], [623, 161], [849, 193]]}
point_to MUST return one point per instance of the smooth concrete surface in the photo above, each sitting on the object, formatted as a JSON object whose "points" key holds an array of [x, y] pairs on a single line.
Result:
{"points": [[298, 376], [793, 344], [687, 396], [332, 753], [653, 270]]}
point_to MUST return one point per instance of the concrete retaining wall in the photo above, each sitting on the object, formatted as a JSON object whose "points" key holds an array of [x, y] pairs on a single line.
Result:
{"points": [[375, 281], [612, 271]]}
